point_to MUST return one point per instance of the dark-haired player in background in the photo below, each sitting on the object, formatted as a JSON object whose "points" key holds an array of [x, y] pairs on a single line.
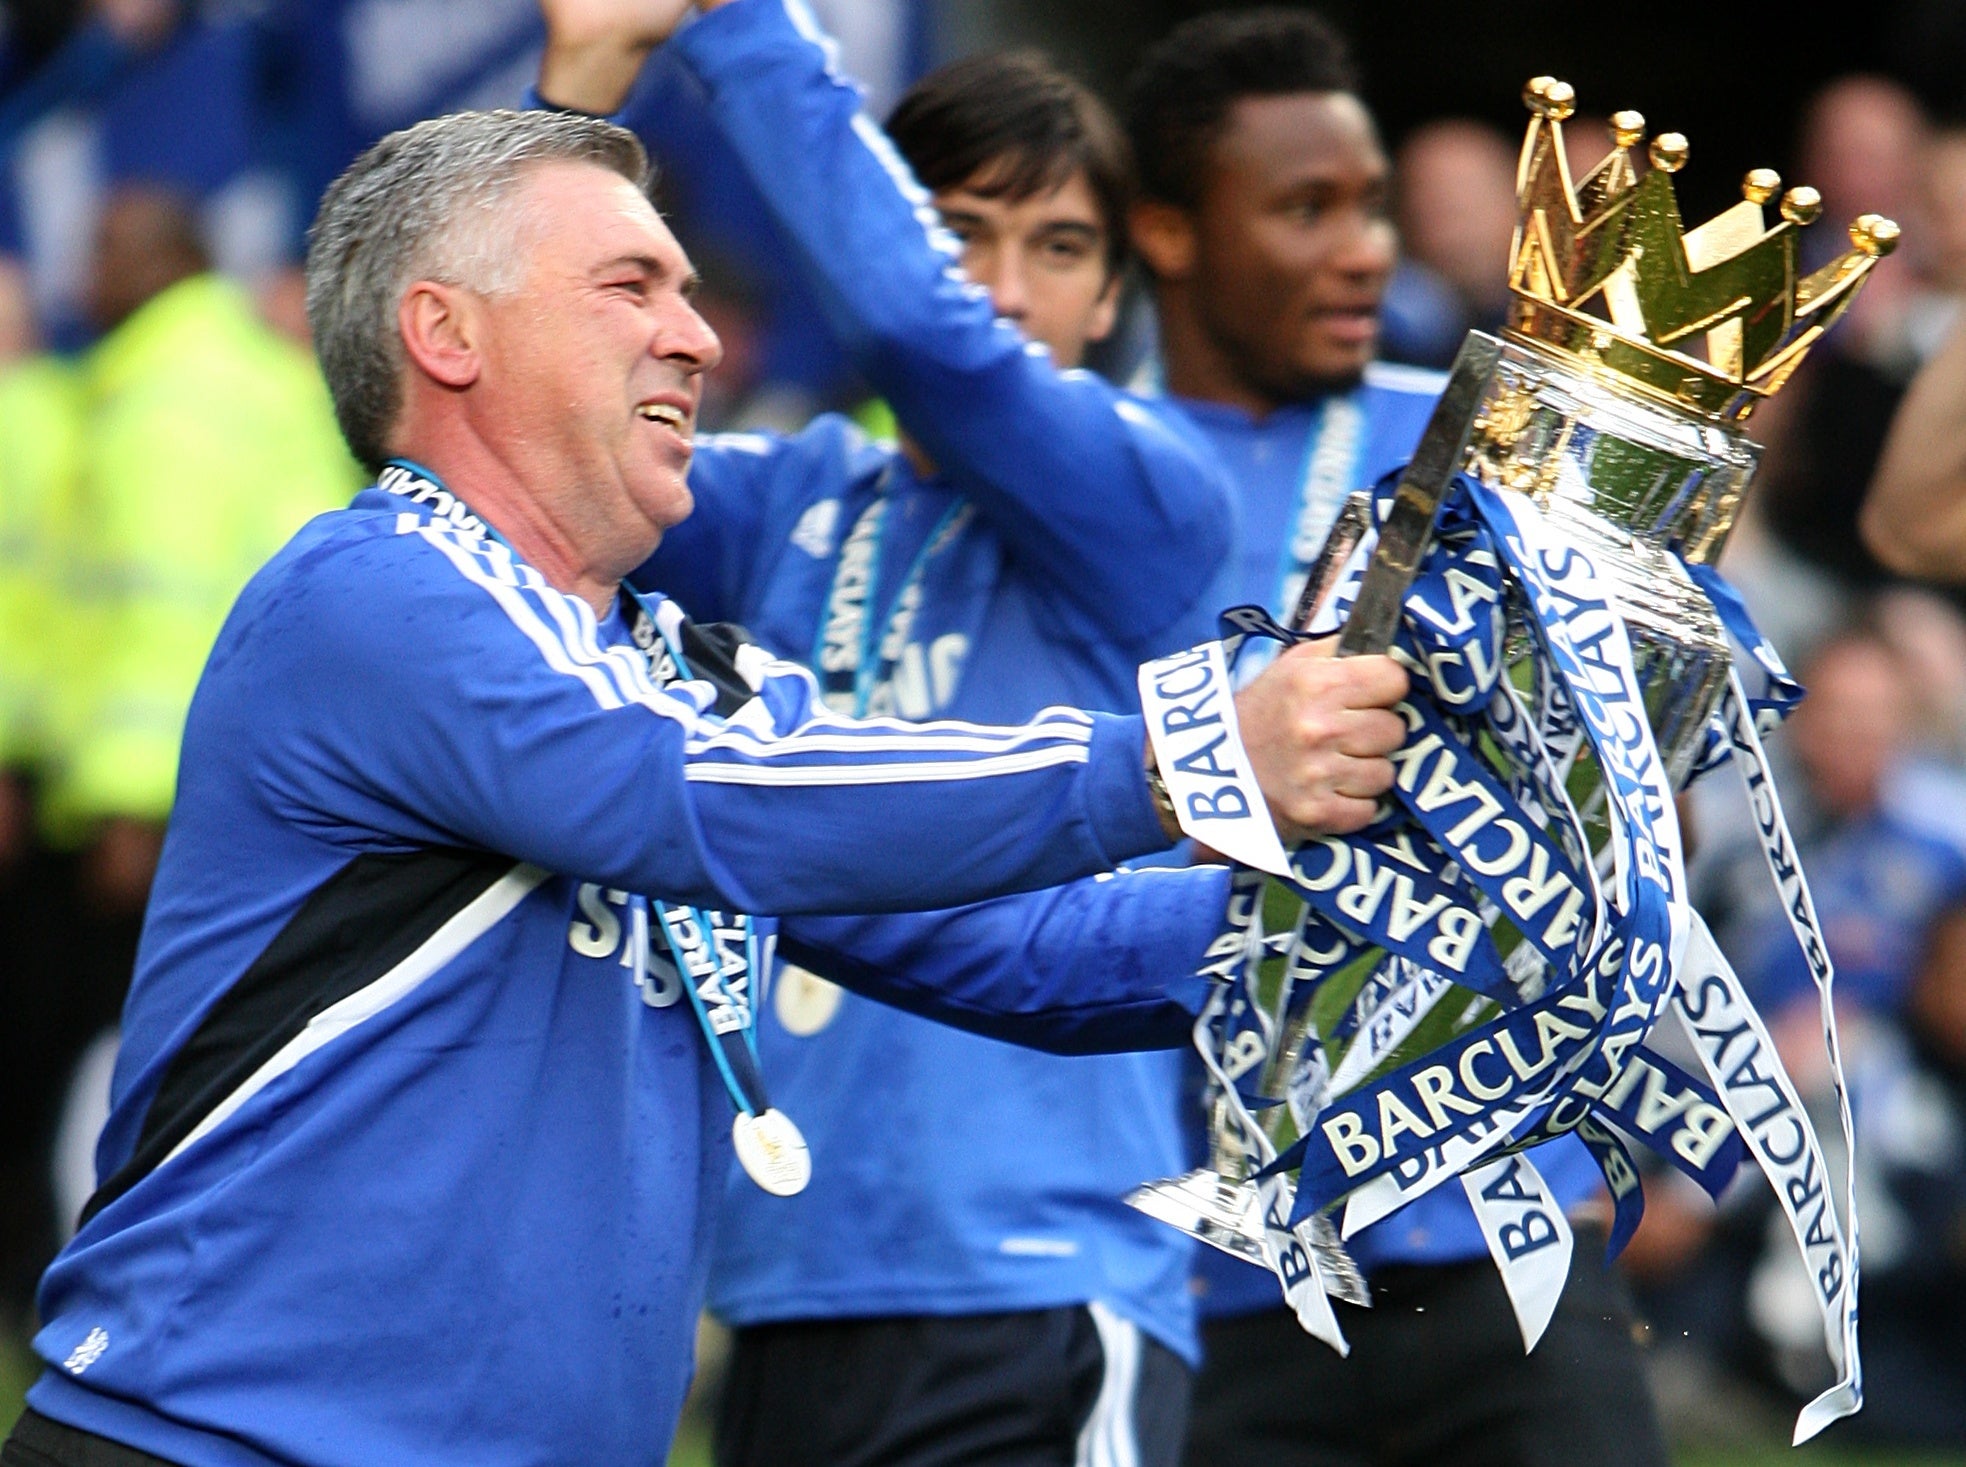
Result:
{"points": [[1264, 226], [1036, 533]]}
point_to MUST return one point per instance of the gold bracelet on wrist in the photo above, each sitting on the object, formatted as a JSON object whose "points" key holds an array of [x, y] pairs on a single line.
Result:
{"points": [[1163, 801]]}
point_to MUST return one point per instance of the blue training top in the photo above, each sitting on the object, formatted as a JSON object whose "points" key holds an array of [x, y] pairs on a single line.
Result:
{"points": [[1071, 532], [404, 1165], [1307, 452]]}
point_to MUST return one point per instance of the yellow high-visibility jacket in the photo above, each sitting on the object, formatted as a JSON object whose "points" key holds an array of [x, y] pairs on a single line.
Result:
{"points": [[40, 441], [208, 439]]}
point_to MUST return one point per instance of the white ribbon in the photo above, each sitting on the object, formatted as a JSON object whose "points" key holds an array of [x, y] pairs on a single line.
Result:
{"points": [[1528, 1237], [1190, 709]]}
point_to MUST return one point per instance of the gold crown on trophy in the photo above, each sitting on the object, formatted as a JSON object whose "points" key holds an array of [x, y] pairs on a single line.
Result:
{"points": [[1603, 272]]}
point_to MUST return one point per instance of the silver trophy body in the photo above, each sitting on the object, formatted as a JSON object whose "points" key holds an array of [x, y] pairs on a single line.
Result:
{"points": [[1643, 485]]}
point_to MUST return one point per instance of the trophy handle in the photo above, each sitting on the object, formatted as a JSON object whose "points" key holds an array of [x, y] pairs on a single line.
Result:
{"points": [[1409, 528], [1354, 519]]}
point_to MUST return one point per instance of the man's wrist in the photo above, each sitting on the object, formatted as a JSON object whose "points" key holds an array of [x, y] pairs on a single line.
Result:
{"points": [[591, 77]]}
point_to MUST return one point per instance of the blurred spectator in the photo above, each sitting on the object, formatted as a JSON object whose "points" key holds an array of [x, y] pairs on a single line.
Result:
{"points": [[17, 334], [1911, 1121], [1878, 882], [208, 441], [1862, 145], [1454, 203], [1929, 635], [57, 52], [1939, 245], [1927, 790], [1914, 513], [282, 300], [1944, 216], [1863, 148], [141, 23], [1586, 139], [39, 443]]}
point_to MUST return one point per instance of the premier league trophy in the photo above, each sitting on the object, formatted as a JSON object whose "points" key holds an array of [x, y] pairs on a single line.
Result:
{"points": [[1478, 971]]}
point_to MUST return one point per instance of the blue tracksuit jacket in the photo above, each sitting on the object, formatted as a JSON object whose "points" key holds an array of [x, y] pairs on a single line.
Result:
{"points": [[404, 1164]]}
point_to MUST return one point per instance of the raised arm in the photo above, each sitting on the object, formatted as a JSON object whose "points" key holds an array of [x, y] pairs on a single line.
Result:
{"points": [[1124, 515], [1914, 516]]}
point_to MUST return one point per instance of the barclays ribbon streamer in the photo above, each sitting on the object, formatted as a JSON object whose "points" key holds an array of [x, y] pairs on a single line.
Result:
{"points": [[1477, 972]]}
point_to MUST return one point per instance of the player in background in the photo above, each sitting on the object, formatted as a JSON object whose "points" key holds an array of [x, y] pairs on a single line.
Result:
{"points": [[1035, 534], [1264, 227]]}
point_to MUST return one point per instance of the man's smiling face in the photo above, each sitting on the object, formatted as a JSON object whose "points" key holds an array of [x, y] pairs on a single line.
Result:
{"points": [[592, 368]]}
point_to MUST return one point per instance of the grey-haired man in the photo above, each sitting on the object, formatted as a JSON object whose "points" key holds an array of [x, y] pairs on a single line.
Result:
{"points": [[413, 1148]]}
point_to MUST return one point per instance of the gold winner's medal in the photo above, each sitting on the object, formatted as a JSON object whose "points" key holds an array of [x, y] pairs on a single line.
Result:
{"points": [[772, 1152]]}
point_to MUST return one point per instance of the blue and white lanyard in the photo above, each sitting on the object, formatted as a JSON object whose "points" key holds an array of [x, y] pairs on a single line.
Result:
{"points": [[856, 678], [716, 953], [1329, 475], [1326, 478]]}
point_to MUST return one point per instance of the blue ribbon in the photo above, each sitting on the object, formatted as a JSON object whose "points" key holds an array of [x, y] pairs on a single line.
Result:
{"points": [[1510, 845]]}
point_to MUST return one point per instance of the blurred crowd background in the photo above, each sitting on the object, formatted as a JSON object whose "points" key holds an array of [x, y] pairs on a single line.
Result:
{"points": [[162, 431]]}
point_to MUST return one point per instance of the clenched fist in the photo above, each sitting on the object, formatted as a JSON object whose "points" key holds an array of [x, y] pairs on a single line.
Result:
{"points": [[1318, 730]]}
